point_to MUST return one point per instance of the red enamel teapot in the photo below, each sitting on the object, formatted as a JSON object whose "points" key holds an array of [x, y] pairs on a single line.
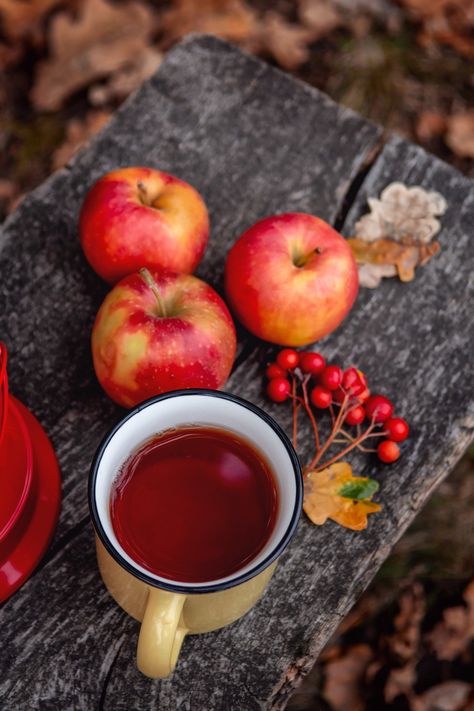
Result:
{"points": [[30, 489]]}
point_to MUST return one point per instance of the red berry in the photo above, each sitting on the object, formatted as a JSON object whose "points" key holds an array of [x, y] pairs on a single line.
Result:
{"points": [[274, 371], [312, 363], [331, 377], [288, 358], [397, 429], [355, 416], [378, 408], [338, 395], [352, 382], [278, 389], [321, 397], [364, 395], [388, 451]]}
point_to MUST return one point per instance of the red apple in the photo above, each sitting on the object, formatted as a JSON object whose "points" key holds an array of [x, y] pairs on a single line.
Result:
{"points": [[291, 279], [158, 331], [139, 217]]}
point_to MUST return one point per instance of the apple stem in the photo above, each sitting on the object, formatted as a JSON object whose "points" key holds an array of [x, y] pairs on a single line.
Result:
{"points": [[151, 283], [306, 257], [143, 193]]}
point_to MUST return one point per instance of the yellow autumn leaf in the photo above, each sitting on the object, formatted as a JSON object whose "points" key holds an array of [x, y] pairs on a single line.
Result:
{"points": [[322, 500]]}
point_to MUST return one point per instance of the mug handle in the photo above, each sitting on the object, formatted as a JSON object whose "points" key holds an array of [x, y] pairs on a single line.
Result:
{"points": [[161, 635]]}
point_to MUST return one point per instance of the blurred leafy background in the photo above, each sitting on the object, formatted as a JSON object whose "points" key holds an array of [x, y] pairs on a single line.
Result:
{"points": [[66, 65]]}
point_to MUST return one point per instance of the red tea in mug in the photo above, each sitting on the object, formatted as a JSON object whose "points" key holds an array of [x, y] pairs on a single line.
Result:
{"points": [[194, 504]]}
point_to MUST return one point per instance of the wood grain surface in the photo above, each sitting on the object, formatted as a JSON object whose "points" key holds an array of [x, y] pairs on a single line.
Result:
{"points": [[254, 142]]}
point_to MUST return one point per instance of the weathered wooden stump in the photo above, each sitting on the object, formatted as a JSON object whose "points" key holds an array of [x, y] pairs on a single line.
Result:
{"points": [[254, 142]]}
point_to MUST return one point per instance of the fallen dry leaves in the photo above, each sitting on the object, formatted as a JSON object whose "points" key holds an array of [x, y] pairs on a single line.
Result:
{"points": [[395, 236], [405, 641], [400, 682], [234, 20], [460, 134], [456, 630], [7, 189], [404, 644], [400, 668], [449, 696], [405, 256], [456, 129], [268, 33], [126, 79], [429, 125], [286, 42], [109, 47], [320, 16], [446, 22], [101, 39], [343, 677], [21, 18]]}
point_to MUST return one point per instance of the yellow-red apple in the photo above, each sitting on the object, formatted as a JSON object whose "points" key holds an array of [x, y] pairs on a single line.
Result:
{"points": [[139, 217], [158, 331], [291, 279]]}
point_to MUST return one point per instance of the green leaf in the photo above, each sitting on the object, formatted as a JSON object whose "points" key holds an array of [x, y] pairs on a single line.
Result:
{"points": [[359, 488]]}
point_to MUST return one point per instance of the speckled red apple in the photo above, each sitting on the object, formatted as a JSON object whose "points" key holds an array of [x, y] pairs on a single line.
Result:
{"points": [[158, 331], [139, 217], [291, 279]]}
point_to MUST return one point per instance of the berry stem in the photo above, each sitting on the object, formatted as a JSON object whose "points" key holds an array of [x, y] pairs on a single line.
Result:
{"points": [[363, 437], [310, 412], [151, 283], [296, 408], [347, 449], [348, 435], [335, 429]]}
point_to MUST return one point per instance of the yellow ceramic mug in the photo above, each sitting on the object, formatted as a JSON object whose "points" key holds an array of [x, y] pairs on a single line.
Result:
{"points": [[170, 609]]}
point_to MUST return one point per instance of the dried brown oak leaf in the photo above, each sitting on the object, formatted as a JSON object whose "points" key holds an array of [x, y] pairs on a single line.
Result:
{"points": [[446, 22], [344, 678], [404, 643], [102, 39], [321, 16], [231, 19], [429, 125], [20, 18], [127, 79], [400, 681], [286, 42], [460, 134], [237, 21], [452, 636], [395, 236], [448, 696]]}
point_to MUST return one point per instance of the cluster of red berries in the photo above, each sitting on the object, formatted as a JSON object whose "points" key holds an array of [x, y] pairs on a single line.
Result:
{"points": [[335, 387]]}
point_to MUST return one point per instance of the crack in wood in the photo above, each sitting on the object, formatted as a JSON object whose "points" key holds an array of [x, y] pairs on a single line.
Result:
{"points": [[356, 183]]}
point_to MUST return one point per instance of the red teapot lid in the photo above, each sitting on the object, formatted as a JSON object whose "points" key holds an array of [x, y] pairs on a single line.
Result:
{"points": [[29, 489]]}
